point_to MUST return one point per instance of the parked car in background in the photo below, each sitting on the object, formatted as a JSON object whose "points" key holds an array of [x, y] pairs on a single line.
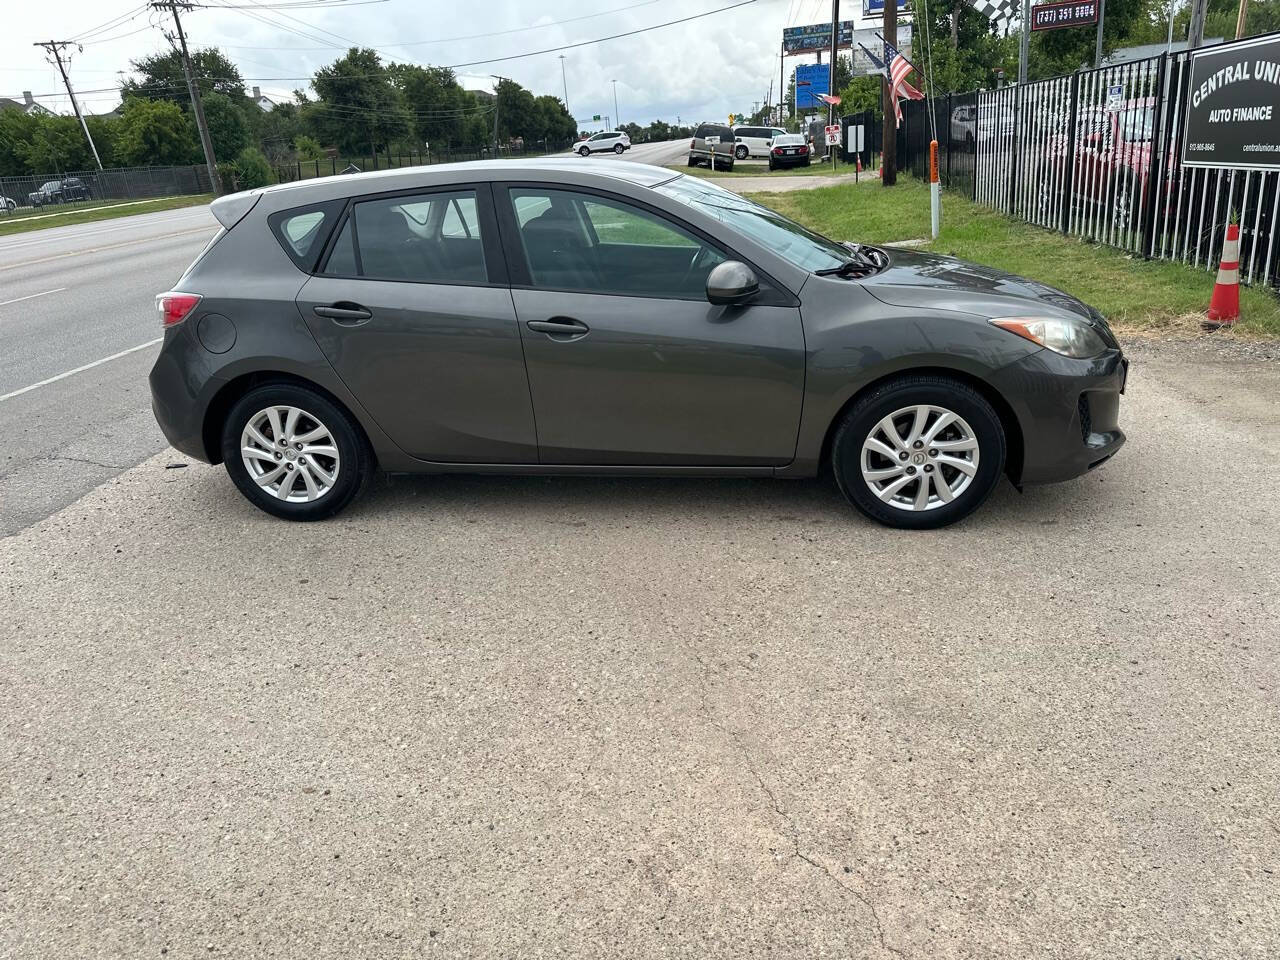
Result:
{"points": [[59, 191], [611, 140], [8, 204], [753, 141], [423, 320], [700, 150], [789, 150]]}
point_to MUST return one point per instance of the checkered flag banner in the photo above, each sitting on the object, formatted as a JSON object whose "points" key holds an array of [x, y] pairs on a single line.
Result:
{"points": [[1002, 13]]}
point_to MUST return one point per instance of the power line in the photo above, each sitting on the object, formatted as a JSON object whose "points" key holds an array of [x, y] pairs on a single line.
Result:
{"points": [[55, 49]]}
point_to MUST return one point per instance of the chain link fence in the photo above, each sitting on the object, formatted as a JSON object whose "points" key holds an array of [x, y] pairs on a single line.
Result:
{"points": [[1098, 155], [47, 193]]}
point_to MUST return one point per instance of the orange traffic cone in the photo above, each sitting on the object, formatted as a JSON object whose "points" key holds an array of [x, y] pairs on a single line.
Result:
{"points": [[1224, 305], [859, 156]]}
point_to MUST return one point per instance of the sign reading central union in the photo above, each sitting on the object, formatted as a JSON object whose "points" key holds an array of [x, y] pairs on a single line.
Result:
{"points": [[1233, 107]]}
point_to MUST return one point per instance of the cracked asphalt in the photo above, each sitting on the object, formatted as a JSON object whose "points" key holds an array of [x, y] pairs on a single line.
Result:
{"points": [[504, 717]]}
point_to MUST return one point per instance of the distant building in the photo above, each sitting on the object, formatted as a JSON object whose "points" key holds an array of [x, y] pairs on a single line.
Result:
{"points": [[1145, 50], [265, 103], [27, 105]]}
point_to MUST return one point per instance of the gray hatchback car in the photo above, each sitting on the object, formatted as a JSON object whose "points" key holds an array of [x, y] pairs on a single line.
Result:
{"points": [[551, 317]]}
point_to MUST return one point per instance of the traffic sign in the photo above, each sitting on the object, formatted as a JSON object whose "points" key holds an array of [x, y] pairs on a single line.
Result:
{"points": [[595, 116], [833, 134]]}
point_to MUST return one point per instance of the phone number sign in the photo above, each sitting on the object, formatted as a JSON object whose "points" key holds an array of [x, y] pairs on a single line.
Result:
{"points": [[1055, 16]]}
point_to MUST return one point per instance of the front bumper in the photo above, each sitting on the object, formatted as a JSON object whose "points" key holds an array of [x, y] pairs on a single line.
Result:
{"points": [[1068, 410]]}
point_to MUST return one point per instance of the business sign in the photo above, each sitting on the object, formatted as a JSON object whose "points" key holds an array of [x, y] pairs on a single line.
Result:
{"points": [[1115, 97], [1233, 106], [811, 80], [814, 37], [1071, 13], [862, 65], [872, 7]]}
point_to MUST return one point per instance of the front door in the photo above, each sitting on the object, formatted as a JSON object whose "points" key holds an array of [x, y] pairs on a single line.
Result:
{"points": [[628, 363], [412, 310]]}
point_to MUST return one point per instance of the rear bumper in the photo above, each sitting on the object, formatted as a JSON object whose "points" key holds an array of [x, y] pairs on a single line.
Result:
{"points": [[181, 387], [791, 161], [1068, 410]]}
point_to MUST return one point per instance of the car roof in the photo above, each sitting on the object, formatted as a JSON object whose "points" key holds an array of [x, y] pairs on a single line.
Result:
{"points": [[572, 170]]}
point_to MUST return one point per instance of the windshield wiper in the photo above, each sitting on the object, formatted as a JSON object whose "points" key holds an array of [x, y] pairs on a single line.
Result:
{"points": [[843, 268], [861, 263]]}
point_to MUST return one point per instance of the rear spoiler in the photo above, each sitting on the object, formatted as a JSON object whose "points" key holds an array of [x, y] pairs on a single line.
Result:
{"points": [[232, 208]]}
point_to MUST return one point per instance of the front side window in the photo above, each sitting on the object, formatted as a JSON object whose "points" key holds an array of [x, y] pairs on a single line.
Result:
{"points": [[592, 244], [428, 238], [788, 239]]}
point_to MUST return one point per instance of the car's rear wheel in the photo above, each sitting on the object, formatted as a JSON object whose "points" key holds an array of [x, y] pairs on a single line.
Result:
{"points": [[919, 452], [741, 151], [693, 161], [584, 151], [617, 148], [772, 166], [294, 453]]}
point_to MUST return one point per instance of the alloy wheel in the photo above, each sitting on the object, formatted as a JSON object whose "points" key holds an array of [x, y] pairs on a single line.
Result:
{"points": [[290, 454], [919, 458]]}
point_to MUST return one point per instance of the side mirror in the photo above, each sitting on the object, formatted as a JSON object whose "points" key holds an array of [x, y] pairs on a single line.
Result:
{"points": [[730, 283]]}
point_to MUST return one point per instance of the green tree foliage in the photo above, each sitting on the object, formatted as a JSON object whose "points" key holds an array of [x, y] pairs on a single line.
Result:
{"points": [[228, 125], [437, 104], [155, 133], [57, 144], [308, 148], [251, 169], [359, 107], [161, 77]]}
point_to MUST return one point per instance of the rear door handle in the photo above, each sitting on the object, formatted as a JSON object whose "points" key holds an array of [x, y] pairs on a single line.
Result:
{"points": [[560, 327], [344, 313]]}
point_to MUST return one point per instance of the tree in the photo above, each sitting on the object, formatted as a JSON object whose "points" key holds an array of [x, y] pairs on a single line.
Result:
{"points": [[57, 144], [162, 77], [435, 101], [17, 129], [517, 115], [155, 133], [280, 131], [360, 106], [251, 169], [308, 148], [228, 127], [558, 127]]}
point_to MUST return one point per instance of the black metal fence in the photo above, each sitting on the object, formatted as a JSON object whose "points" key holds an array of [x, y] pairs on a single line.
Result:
{"points": [[46, 193], [1097, 155], [331, 166]]}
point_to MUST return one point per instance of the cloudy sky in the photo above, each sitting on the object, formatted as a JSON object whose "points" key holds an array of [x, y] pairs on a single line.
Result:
{"points": [[700, 69]]}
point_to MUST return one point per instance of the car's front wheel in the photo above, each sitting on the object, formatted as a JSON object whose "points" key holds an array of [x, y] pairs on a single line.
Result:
{"points": [[584, 151], [294, 453], [919, 452]]}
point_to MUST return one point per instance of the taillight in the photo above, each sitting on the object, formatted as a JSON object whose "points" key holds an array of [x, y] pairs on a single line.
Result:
{"points": [[804, 149], [693, 144], [777, 151], [174, 307]]}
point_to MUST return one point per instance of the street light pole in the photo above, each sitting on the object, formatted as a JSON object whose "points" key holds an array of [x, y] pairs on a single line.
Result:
{"points": [[566, 84], [617, 122]]}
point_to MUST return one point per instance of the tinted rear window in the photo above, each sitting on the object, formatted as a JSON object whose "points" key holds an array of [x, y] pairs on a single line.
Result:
{"points": [[302, 232], [714, 130]]}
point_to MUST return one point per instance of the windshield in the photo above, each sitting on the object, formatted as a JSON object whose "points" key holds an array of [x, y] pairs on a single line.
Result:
{"points": [[801, 247]]}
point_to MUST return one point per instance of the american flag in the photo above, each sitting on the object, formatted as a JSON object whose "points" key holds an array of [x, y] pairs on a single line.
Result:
{"points": [[897, 71]]}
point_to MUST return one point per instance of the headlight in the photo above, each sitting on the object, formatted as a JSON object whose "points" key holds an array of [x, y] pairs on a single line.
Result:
{"points": [[1071, 338]]}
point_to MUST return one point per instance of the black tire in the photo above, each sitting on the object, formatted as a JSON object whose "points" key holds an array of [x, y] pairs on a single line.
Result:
{"points": [[741, 151], [355, 458], [772, 166], [868, 411], [805, 164], [618, 148], [584, 151], [727, 167], [693, 161]]}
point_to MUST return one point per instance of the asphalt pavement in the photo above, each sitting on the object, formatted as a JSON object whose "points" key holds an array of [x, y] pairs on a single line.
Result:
{"points": [[518, 717], [78, 333]]}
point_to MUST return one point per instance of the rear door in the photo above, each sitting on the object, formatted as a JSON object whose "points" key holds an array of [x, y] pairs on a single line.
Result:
{"points": [[412, 308], [628, 362]]}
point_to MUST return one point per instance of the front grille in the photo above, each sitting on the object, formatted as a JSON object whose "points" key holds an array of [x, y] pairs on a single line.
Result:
{"points": [[1086, 418]]}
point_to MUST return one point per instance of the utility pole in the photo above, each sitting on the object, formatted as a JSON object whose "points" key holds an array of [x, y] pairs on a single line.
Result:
{"points": [[889, 135], [1195, 35], [1024, 44], [616, 116], [782, 84], [54, 48], [1240, 18], [1102, 18], [835, 40], [565, 82], [193, 90]]}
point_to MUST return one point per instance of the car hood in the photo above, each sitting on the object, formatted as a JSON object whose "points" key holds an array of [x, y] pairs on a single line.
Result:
{"points": [[915, 279]]}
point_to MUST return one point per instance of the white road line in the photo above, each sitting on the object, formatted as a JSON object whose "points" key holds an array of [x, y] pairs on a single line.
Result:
{"points": [[31, 296], [25, 240], [72, 373]]}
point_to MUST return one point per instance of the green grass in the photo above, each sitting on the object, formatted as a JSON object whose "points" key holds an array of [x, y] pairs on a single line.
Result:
{"points": [[122, 209], [1135, 294], [762, 170]]}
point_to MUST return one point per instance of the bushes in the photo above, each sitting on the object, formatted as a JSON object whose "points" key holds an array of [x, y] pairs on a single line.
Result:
{"points": [[250, 169]]}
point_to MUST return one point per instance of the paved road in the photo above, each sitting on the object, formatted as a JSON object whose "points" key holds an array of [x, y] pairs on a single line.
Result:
{"points": [[487, 717], [70, 297]]}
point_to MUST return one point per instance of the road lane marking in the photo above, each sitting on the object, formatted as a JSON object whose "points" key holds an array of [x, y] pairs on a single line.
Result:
{"points": [[25, 240], [108, 246], [31, 296], [72, 373]]}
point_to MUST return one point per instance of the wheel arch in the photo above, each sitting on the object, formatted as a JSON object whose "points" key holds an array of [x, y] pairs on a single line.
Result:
{"points": [[230, 392], [1008, 419]]}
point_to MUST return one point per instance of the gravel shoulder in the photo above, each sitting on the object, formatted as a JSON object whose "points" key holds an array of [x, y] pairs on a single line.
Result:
{"points": [[512, 717]]}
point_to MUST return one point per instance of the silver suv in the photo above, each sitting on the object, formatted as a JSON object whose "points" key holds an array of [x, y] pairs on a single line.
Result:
{"points": [[700, 150], [614, 140]]}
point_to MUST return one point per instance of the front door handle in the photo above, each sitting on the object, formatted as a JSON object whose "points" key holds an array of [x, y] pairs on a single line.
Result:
{"points": [[560, 327], [344, 312]]}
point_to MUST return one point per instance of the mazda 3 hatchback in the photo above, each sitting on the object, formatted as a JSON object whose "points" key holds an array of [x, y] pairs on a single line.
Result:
{"points": [[554, 317]]}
